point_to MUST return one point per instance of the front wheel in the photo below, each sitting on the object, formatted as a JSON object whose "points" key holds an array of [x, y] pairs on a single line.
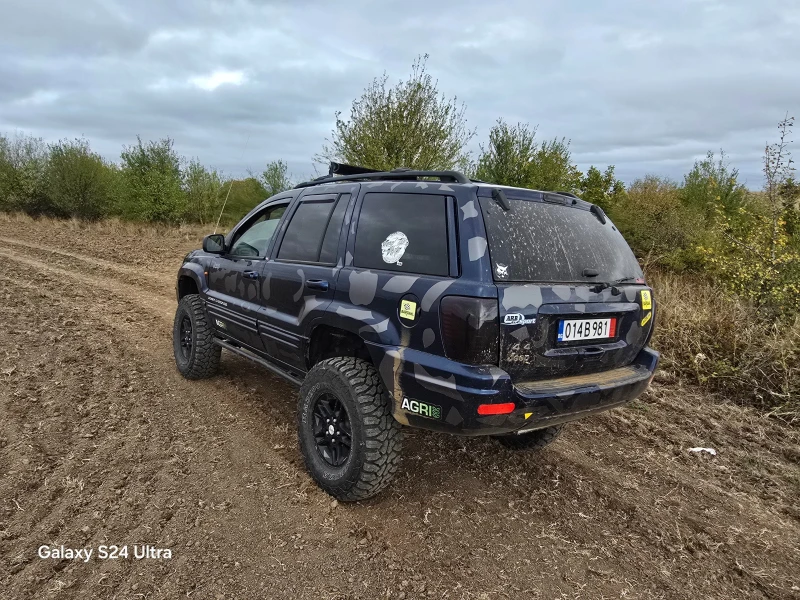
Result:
{"points": [[348, 437], [196, 354], [533, 440]]}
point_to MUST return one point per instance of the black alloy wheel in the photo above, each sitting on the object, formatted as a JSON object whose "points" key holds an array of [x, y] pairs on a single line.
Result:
{"points": [[186, 337], [331, 428]]}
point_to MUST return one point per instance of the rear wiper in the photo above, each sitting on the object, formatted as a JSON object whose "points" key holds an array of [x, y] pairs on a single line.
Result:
{"points": [[601, 285]]}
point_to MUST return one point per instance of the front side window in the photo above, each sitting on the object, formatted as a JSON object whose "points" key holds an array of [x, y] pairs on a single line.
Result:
{"points": [[403, 232], [254, 240]]}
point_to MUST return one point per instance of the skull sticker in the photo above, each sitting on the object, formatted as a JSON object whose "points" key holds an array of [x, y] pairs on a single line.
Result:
{"points": [[393, 248]]}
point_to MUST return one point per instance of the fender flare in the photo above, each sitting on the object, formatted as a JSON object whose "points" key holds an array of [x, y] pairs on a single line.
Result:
{"points": [[194, 272]]}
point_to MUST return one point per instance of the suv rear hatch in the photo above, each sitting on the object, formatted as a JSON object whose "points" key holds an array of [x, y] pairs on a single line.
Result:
{"points": [[571, 293]]}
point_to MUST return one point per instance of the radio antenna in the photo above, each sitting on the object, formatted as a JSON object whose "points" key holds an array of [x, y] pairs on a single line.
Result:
{"points": [[230, 187]]}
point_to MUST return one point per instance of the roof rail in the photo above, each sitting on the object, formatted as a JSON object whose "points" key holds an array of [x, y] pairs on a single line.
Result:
{"points": [[401, 174]]}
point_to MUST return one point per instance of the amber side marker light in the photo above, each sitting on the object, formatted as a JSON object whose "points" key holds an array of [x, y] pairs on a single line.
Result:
{"points": [[496, 409]]}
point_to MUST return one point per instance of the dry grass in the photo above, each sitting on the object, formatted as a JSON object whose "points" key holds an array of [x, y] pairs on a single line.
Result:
{"points": [[114, 225], [726, 345]]}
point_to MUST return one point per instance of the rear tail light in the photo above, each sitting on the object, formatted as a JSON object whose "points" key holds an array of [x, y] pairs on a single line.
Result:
{"points": [[470, 329]]}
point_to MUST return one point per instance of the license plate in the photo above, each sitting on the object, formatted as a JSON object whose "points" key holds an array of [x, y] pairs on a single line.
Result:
{"points": [[586, 329]]}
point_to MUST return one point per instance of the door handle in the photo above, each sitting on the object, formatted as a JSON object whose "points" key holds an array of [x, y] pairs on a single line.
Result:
{"points": [[250, 274], [317, 284]]}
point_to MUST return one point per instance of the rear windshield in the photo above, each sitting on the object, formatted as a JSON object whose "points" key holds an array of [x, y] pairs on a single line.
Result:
{"points": [[539, 241]]}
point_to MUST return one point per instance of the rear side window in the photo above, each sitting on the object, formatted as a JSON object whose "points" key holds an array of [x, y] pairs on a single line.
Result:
{"points": [[315, 224], [539, 241], [330, 243], [403, 232]]}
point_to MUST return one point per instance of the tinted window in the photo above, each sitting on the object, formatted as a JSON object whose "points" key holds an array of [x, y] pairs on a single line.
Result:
{"points": [[254, 239], [402, 232], [305, 232], [539, 241], [330, 243]]}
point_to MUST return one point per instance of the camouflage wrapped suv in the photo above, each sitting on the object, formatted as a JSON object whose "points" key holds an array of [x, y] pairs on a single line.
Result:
{"points": [[422, 299]]}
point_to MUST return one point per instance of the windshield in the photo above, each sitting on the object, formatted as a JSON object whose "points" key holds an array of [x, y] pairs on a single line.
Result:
{"points": [[540, 241]]}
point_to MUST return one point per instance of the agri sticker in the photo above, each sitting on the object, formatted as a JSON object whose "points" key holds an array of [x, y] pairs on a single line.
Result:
{"points": [[430, 411]]}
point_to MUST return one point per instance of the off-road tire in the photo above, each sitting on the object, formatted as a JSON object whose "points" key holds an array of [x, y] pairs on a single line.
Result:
{"points": [[376, 437], [203, 360], [534, 440]]}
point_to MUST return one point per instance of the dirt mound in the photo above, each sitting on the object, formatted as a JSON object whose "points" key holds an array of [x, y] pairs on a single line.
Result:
{"points": [[103, 443]]}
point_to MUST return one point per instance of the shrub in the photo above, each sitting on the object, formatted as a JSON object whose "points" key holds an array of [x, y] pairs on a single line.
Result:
{"points": [[514, 157], [23, 167], [203, 189], [152, 182], [657, 225], [242, 195], [79, 182]]}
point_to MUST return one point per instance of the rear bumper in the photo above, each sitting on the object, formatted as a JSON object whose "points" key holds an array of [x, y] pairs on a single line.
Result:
{"points": [[432, 392]]}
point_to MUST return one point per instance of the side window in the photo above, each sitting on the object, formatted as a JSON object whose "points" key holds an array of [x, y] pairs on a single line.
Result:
{"points": [[254, 240], [403, 232], [330, 243], [312, 224]]}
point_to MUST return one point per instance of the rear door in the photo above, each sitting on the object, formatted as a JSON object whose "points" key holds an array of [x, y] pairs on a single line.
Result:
{"points": [[234, 278], [300, 277], [571, 294]]}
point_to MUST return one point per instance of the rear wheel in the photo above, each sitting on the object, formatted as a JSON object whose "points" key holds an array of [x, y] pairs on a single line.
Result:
{"points": [[534, 440], [196, 354], [348, 436]]}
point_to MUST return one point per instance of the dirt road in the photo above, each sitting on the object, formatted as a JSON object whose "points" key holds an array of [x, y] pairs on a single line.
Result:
{"points": [[102, 442]]}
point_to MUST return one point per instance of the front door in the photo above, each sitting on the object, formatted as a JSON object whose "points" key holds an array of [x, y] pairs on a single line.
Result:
{"points": [[234, 279], [300, 278]]}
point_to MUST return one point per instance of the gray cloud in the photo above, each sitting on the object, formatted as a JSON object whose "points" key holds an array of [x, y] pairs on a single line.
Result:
{"points": [[648, 87]]}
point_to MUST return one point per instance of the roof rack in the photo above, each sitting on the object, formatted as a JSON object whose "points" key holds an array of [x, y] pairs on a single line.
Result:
{"points": [[354, 173]]}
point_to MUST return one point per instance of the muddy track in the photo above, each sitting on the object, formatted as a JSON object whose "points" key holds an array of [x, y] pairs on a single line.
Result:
{"points": [[102, 442]]}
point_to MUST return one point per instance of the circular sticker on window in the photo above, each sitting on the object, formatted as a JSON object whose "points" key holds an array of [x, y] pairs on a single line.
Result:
{"points": [[393, 248]]}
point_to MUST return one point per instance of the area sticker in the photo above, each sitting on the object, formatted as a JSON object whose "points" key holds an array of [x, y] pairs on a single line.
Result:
{"points": [[422, 409], [393, 248], [408, 310], [646, 317], [647, 303]]}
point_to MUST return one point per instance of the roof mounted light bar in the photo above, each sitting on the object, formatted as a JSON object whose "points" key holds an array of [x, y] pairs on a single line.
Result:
{"points": [[354, 173]]}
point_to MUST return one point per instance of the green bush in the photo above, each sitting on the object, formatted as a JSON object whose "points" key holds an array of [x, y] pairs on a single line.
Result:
{"points": [[656, 223], [243, 196], [514, 157], [23, 174], [152, 187], [203, 189], [79, 182]]}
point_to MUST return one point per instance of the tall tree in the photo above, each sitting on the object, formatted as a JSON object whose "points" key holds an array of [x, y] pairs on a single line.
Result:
{"points": [[508, 158], [712, 186], [408, 125], [276, 178], [514, 157], [602, 188]]}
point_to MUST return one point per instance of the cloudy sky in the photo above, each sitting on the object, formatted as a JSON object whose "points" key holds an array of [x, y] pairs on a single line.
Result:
{"points": [[646, 86]]}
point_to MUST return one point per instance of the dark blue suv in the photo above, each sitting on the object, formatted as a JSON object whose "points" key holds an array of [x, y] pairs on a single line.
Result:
{"points": [[424, 299]]}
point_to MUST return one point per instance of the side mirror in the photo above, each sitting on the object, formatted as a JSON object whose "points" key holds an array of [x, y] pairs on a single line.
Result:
{"points": [[214, 243]]}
